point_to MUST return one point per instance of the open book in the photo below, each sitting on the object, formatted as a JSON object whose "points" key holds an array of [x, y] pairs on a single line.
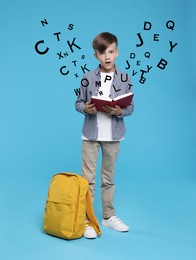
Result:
{"points": [[122, 101]]}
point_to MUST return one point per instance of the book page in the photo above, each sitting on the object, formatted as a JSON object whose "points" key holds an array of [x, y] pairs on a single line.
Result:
{"points": [[124, 95]]}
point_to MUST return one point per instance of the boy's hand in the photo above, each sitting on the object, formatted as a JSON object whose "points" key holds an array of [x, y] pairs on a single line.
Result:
{"points": [[117, 110], [90, 108]]}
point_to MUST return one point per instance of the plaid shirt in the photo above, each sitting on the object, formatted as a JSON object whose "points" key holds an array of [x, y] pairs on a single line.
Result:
{"points": [[90, 85]]}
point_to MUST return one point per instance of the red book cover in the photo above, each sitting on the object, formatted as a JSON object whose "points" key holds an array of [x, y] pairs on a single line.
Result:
{"points": [[122, 101]]}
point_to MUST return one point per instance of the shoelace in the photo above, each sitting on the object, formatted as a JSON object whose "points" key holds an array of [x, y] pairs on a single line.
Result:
{"points": [[115, 219]]}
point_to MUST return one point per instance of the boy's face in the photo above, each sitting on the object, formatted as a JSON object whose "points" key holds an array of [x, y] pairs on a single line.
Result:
{"points": [[107, 58]]}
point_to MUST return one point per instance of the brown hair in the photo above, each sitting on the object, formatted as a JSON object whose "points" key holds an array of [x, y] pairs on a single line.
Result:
{"points": [[103, 40]]}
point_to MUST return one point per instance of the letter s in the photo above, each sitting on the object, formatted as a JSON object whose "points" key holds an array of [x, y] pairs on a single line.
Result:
{"points": [[71, 26]]}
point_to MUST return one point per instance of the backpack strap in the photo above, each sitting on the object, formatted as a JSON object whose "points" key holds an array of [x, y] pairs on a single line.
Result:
{"points": [[90, 214]]}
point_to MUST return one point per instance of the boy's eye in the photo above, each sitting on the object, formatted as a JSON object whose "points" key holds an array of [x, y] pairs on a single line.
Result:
{"points": [[102, 53]]}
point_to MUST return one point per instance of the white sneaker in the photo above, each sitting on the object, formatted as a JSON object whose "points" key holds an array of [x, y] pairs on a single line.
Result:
{"points": [[115, 223], [89, 232]]}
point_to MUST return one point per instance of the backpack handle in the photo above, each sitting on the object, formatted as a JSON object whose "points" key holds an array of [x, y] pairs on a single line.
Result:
{"points": [[91, 215]]}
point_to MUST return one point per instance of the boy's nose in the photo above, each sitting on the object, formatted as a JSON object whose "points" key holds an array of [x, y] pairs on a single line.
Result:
{"points": [[106, 56]]}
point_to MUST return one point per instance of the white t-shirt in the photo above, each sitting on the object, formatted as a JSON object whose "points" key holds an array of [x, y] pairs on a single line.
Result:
{"points": [[104, 120]]}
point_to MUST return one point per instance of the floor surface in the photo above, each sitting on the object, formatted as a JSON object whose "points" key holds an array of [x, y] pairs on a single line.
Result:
{"points": [[161, 216]]}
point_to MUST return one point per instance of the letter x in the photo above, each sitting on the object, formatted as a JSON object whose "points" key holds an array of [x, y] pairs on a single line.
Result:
{"points": [[60, 55]]}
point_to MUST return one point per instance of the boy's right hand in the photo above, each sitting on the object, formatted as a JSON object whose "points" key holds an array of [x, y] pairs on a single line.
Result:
{"points": [[90, 108]]}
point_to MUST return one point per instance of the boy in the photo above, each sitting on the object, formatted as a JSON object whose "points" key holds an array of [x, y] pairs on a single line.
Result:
{"points": [[103, 129]]}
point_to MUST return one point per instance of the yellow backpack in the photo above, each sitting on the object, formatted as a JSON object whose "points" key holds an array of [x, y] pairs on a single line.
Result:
{"points": [[67, 206]]}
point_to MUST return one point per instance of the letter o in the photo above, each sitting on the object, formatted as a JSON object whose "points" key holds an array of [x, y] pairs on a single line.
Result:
{"points": [[86, 82]]}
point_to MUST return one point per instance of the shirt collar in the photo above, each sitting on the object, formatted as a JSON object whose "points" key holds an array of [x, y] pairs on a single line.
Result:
{"points": [[98, 71]]}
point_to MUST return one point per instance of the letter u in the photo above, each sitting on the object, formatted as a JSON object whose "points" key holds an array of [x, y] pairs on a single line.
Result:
{"points": [[125, 79]]}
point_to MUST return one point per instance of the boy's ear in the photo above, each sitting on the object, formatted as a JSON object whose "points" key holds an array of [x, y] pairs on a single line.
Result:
{"points": [[117, 52], [95, 54]]}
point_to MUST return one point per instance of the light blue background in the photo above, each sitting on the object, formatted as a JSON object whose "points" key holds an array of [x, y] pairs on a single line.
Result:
{"points": [[40, 130]]}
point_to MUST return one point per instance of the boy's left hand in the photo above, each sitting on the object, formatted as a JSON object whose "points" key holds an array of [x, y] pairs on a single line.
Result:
{"points": [[113, 111]]}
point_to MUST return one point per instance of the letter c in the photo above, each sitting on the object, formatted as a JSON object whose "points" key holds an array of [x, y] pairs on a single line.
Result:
{"points": [[38, 51], [62, 72]]}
